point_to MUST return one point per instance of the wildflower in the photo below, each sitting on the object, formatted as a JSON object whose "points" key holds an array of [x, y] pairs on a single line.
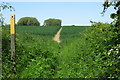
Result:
{"points": [[109, 53], [117, 52], [119, 57], [118, 45], [111, 49]]}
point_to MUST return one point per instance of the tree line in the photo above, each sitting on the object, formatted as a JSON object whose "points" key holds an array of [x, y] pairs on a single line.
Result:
{"points": [[31, 21]]}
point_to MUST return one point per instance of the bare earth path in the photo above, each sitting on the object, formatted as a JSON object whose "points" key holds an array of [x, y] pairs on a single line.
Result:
{"points": [[57, 36]]}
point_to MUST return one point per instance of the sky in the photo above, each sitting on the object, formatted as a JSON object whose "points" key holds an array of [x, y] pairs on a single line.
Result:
{"points": [[52, 0], [71, 13]]}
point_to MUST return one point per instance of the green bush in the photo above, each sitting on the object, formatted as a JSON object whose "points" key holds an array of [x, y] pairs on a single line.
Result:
{"points": [[28, 21], [36, 56], [94, 55], [38, 60]]}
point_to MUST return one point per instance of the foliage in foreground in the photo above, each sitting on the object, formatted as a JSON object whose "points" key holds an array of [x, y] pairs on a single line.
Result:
{"points": [[30, 49], [93, 55], [36, 57]]}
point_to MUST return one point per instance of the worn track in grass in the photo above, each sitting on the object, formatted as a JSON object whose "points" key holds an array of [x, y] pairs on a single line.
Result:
{"points": [[57, 36]]}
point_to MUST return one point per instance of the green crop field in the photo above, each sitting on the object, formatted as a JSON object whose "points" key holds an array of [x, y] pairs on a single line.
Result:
{"points": [[38, 30], [72, 31]]}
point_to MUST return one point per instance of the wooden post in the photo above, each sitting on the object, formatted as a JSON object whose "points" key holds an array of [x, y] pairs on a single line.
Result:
{"points": [[12, 32]]}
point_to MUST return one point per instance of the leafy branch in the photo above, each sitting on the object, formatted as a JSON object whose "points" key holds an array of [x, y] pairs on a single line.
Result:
{"points": [[4, 6]]}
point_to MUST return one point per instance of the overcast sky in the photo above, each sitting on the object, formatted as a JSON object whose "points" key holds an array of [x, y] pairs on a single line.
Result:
{"points": [[71, 13]]}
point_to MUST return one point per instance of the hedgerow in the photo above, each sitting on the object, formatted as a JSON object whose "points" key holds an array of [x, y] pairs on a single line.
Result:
{"points": [[94, 55]]}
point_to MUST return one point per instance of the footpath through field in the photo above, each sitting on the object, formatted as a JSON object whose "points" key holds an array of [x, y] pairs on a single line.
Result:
{"points": [[57, 36]]}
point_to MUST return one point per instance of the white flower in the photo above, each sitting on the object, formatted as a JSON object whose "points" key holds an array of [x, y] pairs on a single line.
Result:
{"points": [[117, 52], [109, 53], [111, 49], [118, 45], [119, 57]]}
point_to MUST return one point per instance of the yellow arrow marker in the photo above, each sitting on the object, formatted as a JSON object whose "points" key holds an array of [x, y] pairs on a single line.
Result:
{"points": [[12, 24]]}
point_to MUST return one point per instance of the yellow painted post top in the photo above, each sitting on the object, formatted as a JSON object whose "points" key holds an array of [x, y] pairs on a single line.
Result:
{"points": [[12, 24]]}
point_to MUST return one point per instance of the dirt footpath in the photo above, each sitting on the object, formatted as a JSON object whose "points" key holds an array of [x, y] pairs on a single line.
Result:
{"points": [[57, 36]]}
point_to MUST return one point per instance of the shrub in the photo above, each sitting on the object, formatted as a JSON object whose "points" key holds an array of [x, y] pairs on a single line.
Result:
{"points": [[28, 21], [36, 57], [94, 55]]}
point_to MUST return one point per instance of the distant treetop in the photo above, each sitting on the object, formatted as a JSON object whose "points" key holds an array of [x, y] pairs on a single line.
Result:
{"points": [[28, 21], [52, 22]]}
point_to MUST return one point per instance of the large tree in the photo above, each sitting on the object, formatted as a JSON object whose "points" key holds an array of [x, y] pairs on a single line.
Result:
{"points": [[52, 22], [28, 21]]}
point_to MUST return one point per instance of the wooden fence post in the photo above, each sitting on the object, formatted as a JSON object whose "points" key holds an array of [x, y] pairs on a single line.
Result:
{"points": [[12, 32]]}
